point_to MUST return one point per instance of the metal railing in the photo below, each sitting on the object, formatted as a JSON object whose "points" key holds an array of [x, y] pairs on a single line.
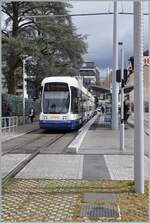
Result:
{"points": [[9, 126]]}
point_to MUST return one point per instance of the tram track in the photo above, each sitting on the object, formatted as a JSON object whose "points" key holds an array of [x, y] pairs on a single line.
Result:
{"points": [[28, 142], [23, 163]]}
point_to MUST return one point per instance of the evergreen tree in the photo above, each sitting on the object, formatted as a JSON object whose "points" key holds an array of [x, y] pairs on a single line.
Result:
{"points": [[52, 42]]}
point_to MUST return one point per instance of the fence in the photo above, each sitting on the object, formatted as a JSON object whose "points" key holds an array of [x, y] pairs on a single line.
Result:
{"points": [[16, 106], [9, 126]]}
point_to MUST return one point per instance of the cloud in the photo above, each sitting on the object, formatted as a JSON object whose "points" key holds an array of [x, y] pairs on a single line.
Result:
{"points": [[100, 30]]}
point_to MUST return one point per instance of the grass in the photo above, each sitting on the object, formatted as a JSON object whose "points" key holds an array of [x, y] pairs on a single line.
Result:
{"points": [[133, 206]]}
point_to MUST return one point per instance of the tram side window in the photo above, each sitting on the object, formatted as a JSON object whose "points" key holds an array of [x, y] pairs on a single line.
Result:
{"points": [[74, 100]]}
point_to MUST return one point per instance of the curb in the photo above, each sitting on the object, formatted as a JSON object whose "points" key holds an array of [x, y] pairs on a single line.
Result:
{"points": [[75, 144]]}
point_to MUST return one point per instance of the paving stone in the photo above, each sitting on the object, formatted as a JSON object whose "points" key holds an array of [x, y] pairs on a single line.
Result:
{"points": [[54, 167], [121, 167]]}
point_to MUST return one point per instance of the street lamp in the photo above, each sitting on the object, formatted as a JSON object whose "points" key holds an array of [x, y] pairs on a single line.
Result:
{"points": [[25, 95], [122, 99]]}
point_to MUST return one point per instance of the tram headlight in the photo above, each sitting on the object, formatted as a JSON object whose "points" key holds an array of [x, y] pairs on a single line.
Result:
{"points": [[64, 117], [45, 117]]}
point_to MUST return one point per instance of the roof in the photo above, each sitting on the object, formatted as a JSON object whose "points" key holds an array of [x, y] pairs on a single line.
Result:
{"points": [[88, 64], [100, 89]]}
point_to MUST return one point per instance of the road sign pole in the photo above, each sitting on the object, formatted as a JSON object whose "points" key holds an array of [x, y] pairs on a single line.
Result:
{"points": [[115, 67], [138, 98]]}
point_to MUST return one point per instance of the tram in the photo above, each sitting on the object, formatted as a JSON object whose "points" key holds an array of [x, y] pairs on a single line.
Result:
{"points": [[65, 103]]}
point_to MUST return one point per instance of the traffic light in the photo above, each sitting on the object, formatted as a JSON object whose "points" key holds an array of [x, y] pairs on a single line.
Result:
{"points": [[125, 75], [118, 75]]}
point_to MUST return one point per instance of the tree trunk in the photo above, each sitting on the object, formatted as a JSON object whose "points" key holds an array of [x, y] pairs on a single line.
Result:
{"points": [[11, 82], [11, 79], [15, 7]]}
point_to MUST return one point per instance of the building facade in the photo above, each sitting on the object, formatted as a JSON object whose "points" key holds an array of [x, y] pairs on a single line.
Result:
{"points": [[145, 77], [90, 74]]}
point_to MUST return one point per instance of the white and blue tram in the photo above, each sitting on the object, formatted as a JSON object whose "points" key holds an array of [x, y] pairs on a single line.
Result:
{"points": [[65, 103]]}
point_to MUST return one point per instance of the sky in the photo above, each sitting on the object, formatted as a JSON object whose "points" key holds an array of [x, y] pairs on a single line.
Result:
{"points": [[99, 30]]}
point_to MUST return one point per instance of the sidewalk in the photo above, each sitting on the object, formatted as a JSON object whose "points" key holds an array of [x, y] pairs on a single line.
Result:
{"points": [[98, 157], [102, 141], [21, 130]]}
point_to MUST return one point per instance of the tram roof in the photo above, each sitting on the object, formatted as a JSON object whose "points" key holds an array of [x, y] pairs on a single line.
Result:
{"points": [[72, 81]]}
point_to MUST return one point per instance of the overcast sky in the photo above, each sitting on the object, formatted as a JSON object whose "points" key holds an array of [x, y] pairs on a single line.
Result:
{"points": [[100, 30]]}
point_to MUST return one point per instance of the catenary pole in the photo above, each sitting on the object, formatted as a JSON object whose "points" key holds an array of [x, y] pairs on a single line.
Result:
{"points": [[122, 136], [149, 95], [115, 67], [138, 98]]}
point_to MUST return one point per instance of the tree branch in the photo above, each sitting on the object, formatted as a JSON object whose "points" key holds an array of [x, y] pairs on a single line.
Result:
{"points": [[24, 24], [5, 33], [5, 11]]}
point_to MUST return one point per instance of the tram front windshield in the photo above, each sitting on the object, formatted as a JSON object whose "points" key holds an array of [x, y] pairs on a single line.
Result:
{"points": [[56, 98]]}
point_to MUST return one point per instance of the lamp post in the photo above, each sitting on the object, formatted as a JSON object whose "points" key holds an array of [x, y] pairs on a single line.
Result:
{"points": [[122, 99], [25, 95]]}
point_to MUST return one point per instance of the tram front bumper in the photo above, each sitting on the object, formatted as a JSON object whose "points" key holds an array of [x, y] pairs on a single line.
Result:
{"points": [[57, 124]]}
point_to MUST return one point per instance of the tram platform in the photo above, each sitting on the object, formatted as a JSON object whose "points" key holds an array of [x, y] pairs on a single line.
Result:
{"points": [[101, 141]]}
